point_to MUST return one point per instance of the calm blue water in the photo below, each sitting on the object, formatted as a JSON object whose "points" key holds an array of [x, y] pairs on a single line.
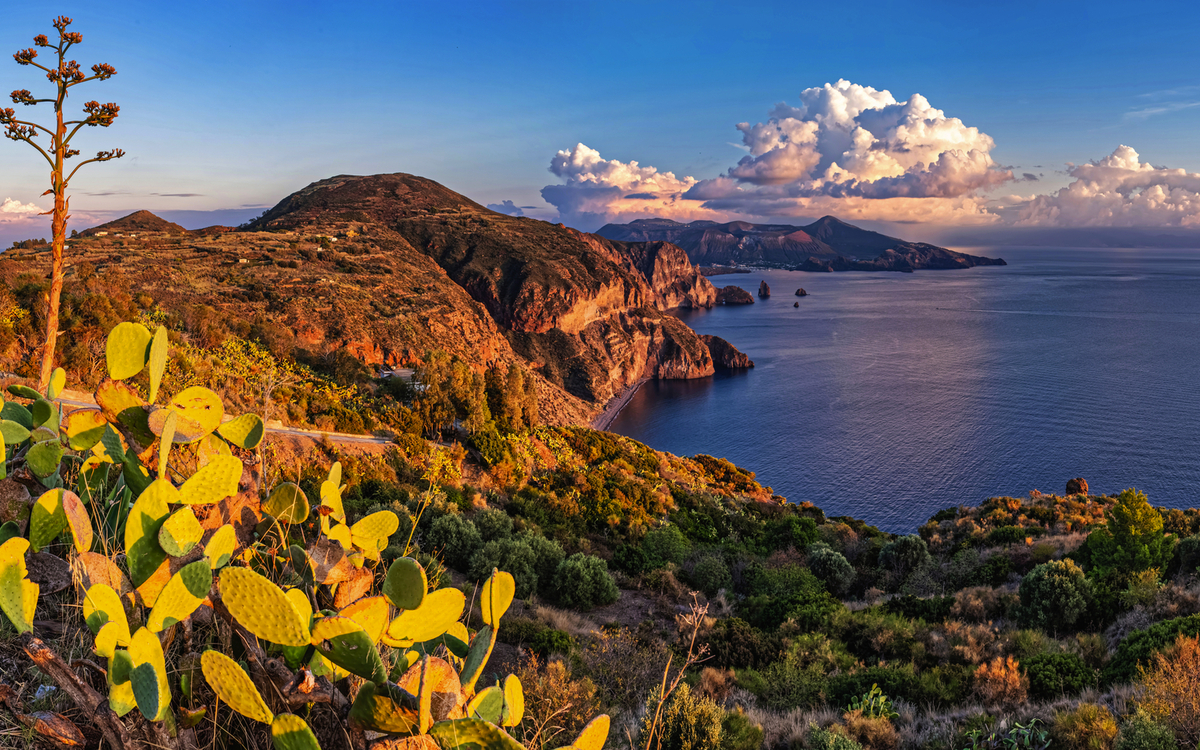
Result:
{"points": [[889, 396]]}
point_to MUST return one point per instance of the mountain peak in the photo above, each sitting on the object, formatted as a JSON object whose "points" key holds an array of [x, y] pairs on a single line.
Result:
{"points": [[136, 223]]}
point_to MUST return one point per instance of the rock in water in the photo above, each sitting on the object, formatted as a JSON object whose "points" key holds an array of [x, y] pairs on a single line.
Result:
{"points": [[795, 304], [764, 291], [725, 355], [801, 293], [734, 295], [1076, 486]]}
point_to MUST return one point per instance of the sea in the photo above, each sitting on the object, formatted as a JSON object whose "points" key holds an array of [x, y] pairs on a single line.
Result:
{"points": [[890, 396]]}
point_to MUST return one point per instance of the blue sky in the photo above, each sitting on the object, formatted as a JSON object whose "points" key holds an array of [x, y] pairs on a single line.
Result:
{"points": [[234, 105]]}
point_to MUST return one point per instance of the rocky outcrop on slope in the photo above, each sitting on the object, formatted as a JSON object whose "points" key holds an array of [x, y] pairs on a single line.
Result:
{"points": [[734, 295], [725, 355]]}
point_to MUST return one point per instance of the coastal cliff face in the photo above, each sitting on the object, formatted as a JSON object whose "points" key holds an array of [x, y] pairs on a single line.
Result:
{"points": [[725, 355]]}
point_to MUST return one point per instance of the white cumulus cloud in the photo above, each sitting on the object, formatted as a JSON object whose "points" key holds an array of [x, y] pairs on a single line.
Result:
{"points": [[1119, 190], [13, 211], [845, 149]]}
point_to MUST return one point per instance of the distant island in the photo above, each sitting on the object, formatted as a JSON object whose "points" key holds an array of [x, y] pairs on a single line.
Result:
{"points": [[827, 244]]}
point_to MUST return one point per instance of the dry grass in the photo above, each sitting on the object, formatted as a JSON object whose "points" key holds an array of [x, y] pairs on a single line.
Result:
{"points": [[1172, 688], [565, 620]]}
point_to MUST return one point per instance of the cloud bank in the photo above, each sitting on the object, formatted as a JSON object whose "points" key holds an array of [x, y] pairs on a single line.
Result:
{"points": [[13, 211], [846, 149]]}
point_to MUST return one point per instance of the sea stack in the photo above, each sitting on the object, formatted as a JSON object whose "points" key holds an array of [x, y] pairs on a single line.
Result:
{"points": [[1076, 486], [734, 295], [764, 291], [795, 304], [801, 293]]}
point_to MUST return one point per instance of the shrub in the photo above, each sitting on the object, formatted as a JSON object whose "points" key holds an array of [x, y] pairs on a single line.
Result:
{"points": [[934, 609], [686, 722], [786, 685], [1000, 683], [904, 555], [738, 732], [1054, 595], [582, 582], [1088, 727], [1132, 539], [666, 545], [548, 554], [492, 448], [557, 703], [787, 593], [1006, 535], [824, 739], [733, 642], [551, 641], [511, 555], [874, 732], [1142, 732], [632, 559], [1139, 648], [993, 572], [1172, 691], [711, 574], [493, 524], [1187, 556], [456, 538], [831, 567], [1055, 675]]}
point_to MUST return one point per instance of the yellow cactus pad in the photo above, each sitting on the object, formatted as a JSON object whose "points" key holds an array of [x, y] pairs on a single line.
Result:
{"points": [[437, 613], [200, 413], [126, 350], [102, 606], [262, 608], [497, 597], [245, 432], [221, 546], [301, 602], [106, 640], [77, 521], [290, 732], [217, 480], [18, 595], [181, 596], [375, 526], [594, 735], [84, 428], [514, 702], [149, 675], [141, 529], [371, 613], [233, 686], [180, 532]]}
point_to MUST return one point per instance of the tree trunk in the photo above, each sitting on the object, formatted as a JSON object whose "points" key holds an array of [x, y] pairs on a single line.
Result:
{"points": [[58, 225]]}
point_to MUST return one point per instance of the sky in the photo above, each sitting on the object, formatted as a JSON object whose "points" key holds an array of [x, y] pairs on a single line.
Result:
{"points": [[914, 117]]}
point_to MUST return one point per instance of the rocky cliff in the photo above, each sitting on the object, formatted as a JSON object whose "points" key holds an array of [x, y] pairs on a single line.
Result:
{"points": [[827, 244], [725, 355]]}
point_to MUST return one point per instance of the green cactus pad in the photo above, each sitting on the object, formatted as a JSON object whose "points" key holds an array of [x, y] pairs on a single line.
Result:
{"points": [[437, 613], [344, 642], [262, 608], [47, 519], [371, 613], [233, 686], [58, 381], [157, 360], [287, 503], [181, 596], [290, 732], [472, 734], [84, 428], [496, 597], [245, 432], [45, 414], [120, 667], [120, 690], [149, 675], [405, 585], [102, 606], [14, 433], [221, 546], [180, 532], [380, 713], [14, 412], [514, 702], [143, 552], [18, 595], [481, 650], [594, 735], [8, 530], [24, 391], [44, 457], [212, 483], [488, 704], [110, 446], [126, 350]]}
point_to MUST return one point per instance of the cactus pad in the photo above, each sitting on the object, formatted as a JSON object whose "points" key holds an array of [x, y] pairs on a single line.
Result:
{"points": [[287, 503], [209, 448], [233, 686], [200, 413], [488, 704], [472, 734], [379, 525], [221, 546], [146, 517], [58, 381], [381, 713], [481, 650], [496, 597], [18, 595], [44, 457], [262, 608], [340, 533], [123, 406], [344, 642], [439, 610], [181, 596], [102, 606], [371, 614], [217, 480], [594, 735], [245, 432], [106, 639], [126, 350], [514, 702], [180, 532], [120, 691], [14, 433], [14, 412], [24, 391], [405, 585], [157, 360], [290, 732], [47, 519], [149, 675], [84, 428]]}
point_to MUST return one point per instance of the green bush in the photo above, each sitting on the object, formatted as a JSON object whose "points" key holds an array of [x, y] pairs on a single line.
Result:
{"points": [[831, 567], [1054, 596], [456, 538], [551, 641], [492, 448], [1132, 539], [582, 582], [510, 555], [493, 524], [904, 555], [1187, 556], [787, 685], [786, 593], [548, 554], [1006, 535], [787, 533], [932, 610], [1140, 646], [738, 732], [1141, 732], [824, 739], [688, 721], [994, 571], [666, 545], [520, 631], [711, 574], [733, 642], [1055, 675], [632, 559]]}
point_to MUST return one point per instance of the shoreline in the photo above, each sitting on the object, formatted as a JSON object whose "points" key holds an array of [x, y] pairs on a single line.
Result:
{"points": [[605, 418]]}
